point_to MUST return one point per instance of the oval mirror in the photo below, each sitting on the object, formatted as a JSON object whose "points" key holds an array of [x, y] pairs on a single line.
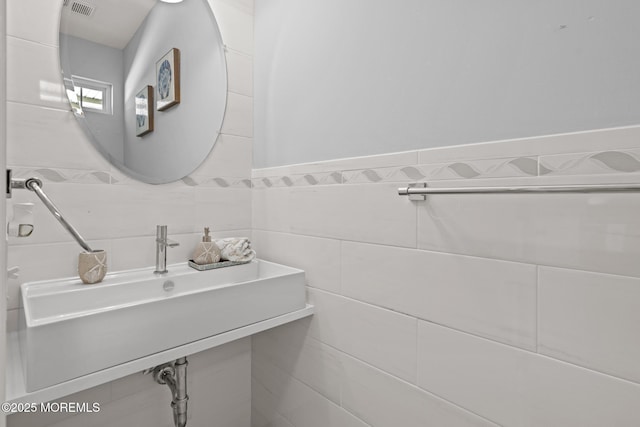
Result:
{"points": [[147, 82]]}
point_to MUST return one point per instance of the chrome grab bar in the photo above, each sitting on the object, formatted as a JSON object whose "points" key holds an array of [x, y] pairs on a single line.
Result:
{"points": [[420, 190], [35, 185]]}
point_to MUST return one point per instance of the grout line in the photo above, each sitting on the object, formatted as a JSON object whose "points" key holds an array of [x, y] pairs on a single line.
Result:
{"points": [[471, 334], [45, 107], [419, 389], [540, 355], [11, 36], [514, 261], [537, 309], [419, 319]]}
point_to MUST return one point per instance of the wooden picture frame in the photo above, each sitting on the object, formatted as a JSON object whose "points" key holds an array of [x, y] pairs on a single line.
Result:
{"points": [[144, 111], [168, 80]]}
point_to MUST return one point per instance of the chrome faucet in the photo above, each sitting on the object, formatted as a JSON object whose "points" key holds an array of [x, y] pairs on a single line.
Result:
{"points": [[161, 248]]}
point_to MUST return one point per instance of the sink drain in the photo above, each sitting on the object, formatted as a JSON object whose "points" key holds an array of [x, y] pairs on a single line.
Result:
{"points": [[168, 286]]}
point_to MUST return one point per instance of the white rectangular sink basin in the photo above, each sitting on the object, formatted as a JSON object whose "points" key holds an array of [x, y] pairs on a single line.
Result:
{"points": [[68, 329]]}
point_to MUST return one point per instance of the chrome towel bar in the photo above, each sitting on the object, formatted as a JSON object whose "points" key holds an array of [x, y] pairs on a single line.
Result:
{"points": [[420, 190], [35, 185]]}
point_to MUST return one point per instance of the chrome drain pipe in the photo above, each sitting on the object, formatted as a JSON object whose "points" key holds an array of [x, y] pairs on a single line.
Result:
{"points": [[180, 396], [174, 375]]}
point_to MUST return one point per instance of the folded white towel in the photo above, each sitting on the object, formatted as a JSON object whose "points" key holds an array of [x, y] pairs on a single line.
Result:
{"points": [[235, 249]]}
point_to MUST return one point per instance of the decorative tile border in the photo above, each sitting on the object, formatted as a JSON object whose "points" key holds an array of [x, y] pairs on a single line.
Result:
{"points": [[620, 162], [623, 162], [320, 178], [611, 162], [75, 176], [219, 182]]}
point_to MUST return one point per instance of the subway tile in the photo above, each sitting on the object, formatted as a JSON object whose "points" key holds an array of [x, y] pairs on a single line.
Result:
{"points": [[487, 297], [513, 387], [222, 392], [34, 20], [235, 21], [263, 404], [590, 319], [381, 399], [140, 252], [33, 74], [230, 157], [306, 359], [366, 213], [597, 232], [45, 137], [111, 211], [263, 413], [222, 208], [246, 6], [380, 337], [271, 209], [298, 403], [240, 73], [238, 117], [319, 258]]}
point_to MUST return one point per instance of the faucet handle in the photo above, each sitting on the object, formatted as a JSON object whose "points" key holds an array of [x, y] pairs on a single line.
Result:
{"points": [[171, 243], [161, 237]]}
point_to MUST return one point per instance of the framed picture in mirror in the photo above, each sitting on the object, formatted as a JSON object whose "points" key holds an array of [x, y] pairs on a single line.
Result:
{"points": [[168, 80], [144, 111]]}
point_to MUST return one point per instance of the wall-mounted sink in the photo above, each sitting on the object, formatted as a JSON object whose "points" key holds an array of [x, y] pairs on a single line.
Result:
{"points": [[68, 329]]}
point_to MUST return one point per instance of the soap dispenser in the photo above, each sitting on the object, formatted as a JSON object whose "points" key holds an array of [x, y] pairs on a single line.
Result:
{"points": [[207, 252]]}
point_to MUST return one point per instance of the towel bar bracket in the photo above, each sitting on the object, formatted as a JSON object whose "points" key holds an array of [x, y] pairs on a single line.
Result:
{"points": [[35, 185], [417, 197]]}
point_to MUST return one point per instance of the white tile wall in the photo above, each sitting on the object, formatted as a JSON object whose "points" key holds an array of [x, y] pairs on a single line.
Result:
{"points": [[240, 72], [24, 24], [506, 310], [582, 318], [458, 291], [280, 393], [383, 338], [319, 258], [309, 360], [238, 116], [33, 74], [517, 388], [119, 214], [592, 232], [33, 128], [383, 400], [368, 213]]}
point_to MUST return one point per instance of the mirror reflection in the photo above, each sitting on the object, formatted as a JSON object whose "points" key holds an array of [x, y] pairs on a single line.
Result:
{"points": [[147, 82]]}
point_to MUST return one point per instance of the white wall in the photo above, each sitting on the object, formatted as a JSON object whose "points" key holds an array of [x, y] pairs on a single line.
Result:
{"points": [[339, 78], [118, 214]]}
